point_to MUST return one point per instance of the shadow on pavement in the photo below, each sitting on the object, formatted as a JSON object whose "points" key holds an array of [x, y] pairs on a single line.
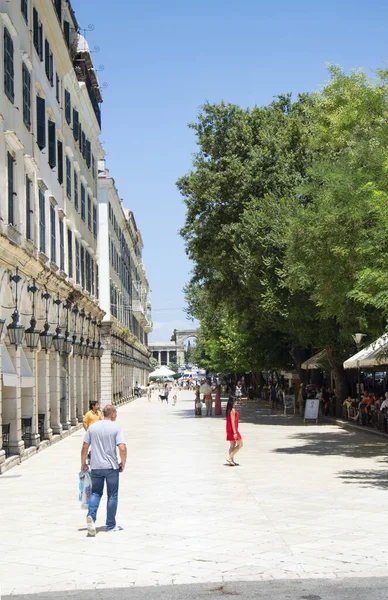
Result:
{"points": [[341, 443], [374, 588], [367, 478]]}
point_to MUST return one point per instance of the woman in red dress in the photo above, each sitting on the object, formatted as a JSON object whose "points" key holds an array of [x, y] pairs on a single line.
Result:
{"points": [[232, 433]]}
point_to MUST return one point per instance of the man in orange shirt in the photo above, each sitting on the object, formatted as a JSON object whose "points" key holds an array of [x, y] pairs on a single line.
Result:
{"points": [[93, 415]]}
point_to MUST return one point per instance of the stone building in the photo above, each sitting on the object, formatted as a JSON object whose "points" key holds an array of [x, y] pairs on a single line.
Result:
{"points": [[127, 320], [49, 280]]}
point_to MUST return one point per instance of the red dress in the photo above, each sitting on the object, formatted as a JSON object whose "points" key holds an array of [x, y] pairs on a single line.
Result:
{"points": [[229, 428]]}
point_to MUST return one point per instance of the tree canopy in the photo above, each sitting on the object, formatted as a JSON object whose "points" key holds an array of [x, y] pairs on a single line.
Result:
{"points": [[286, 225]]}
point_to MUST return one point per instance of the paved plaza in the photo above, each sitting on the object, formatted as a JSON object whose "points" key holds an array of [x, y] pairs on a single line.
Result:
{"points": [[303, 513]]}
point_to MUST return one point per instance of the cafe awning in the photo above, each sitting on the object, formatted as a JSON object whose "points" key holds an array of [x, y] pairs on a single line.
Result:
{"points": [[374, 355], [8, 370], [318, 361], [27, 377]]}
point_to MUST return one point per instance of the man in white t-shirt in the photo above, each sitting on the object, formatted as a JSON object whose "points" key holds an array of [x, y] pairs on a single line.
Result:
{"points": [[105, 437]]}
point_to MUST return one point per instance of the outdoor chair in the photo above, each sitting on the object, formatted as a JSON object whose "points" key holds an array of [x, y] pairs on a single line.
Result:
{"points": [[6, 428], [27, 431]]}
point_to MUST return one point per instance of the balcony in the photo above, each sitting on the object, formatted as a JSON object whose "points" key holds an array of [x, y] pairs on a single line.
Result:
{"points": [[85, 73]]}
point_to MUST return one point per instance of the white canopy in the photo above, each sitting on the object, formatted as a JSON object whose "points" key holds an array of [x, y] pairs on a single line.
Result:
{"points": [[372, 356], [318, 361], [162, 372]]}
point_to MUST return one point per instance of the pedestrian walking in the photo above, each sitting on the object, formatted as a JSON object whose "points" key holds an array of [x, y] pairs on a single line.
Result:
{"points": [[238, 391], [233, 435], [149, 392], [217, 404], [105, 437], [93, 415], [174, 399]]}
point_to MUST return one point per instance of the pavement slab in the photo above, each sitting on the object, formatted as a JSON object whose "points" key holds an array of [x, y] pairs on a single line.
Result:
{"points": [[303, 509]]}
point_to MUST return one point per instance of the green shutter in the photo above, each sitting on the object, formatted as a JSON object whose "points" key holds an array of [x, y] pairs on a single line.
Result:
{"points": [[40, 122], [75, 124], [52, 144], [60, 161], [8, 65], [67, 107]]}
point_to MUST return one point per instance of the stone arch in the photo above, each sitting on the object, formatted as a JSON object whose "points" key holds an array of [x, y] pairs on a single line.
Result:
{"points": [[181, 336]]}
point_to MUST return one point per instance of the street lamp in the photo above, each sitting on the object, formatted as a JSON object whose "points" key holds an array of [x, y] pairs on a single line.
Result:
{"points": [[46, 337], [67, 345], [81, 347], [16, 330], [32, 334], [58, 339], [358, 339]]}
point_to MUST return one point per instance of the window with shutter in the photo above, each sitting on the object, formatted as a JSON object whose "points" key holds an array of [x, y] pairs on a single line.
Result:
{"points": [[88, 153], [42, 221], [94, 221], [70, 252], [35, 28], [40, 35], [87, 271], [66, 32], [75, 124], [83, 267], [97, 283], [93, 167], [51, 69], [8, 66], [58, 8], [11, 204], [47, 58], [83, 203], [89, 213], [76, 206], [24, 9], [53, 235], [77, 262], [61, 245], [52, 144], [28, 209], [40, 122], [80, 137], [26, 96], [92, 290], [83, 145], [67, 107], [68, 177], [60, 161], [57, 89]]}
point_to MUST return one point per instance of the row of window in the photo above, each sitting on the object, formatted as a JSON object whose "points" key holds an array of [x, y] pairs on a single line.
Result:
{"points": [[82, 201], [9, 89], [86, 270]]}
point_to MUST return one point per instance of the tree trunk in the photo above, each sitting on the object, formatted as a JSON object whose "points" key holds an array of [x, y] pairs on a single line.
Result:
{"points": [[299, 355], [340, 379]]}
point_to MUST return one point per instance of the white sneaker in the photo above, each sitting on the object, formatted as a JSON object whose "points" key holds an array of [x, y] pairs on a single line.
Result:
{"points": [[116, 528], [91, 526]]}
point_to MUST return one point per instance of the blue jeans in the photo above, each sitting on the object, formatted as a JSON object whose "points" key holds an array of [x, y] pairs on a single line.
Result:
{"points": [[112, 484]]}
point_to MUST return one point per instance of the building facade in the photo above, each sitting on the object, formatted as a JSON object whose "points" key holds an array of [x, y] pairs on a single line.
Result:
{"points": [[127, 320], [50, 318]]}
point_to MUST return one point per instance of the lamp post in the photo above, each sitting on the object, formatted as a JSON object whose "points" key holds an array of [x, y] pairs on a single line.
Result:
{"points": [[81, 349], [16, 330], [46, 337], [358, 340], [58, 339], [67, 345], [75, 312], [32, 334]]}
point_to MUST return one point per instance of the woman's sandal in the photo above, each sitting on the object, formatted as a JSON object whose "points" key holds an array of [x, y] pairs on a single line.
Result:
{"points": [[235, 464], [230, 462]]}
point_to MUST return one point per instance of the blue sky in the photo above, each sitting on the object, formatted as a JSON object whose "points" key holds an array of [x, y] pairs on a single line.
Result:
{"points": [[162, 60]]}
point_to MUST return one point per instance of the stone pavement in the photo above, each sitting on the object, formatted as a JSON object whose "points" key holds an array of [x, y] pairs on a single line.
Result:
{"points": [[307, 502]]}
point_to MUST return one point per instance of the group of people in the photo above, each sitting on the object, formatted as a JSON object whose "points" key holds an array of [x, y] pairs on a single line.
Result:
{"points": [[367, 408]]}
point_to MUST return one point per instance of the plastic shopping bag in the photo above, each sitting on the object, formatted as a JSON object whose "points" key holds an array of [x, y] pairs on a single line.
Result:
{"points": [[85, 488]]}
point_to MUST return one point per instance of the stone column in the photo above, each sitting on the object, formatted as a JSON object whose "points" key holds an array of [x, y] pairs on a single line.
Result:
{"points": [[44, 392], [2, 452], [55, 392], [73, 391], [79, 388], [65, 391], [168, 357], [86, 386], [159, 358], [12, 412], [29, 400]]}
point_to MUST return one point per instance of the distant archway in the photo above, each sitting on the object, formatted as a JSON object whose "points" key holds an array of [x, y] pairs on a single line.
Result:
{"points": [[181, 336]]}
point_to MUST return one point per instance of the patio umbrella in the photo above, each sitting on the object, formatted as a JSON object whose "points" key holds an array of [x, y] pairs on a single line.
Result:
{"points": [[162, 372]]}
